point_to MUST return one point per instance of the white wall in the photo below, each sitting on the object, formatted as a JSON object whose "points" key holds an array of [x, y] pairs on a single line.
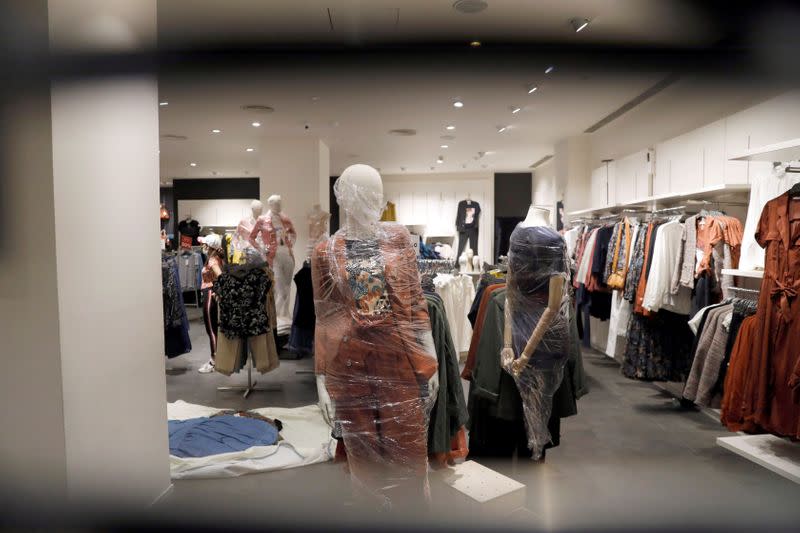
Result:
{"points": [[693, 160], [543, 189], [432, 200], [33, 461], [215, 212]]}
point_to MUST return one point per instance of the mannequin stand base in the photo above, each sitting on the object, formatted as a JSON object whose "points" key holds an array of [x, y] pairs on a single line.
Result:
{"points": [[251, 385]]}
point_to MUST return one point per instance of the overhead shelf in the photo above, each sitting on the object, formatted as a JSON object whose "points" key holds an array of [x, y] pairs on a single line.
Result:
{"points": [[757, 274], [778, 152], [711, 193]]}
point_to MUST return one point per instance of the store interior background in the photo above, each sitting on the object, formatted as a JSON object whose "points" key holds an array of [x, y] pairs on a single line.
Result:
{"points": [[98, 153]]}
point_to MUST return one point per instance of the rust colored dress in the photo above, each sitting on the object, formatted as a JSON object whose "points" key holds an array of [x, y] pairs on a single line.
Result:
{"points": [[769, 401]]}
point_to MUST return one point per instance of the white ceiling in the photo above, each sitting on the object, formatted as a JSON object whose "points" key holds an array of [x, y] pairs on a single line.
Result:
{"points": [[354, 109], [658, 22]]}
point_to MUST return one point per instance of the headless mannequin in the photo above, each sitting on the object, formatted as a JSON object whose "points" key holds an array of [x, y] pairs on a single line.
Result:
{"points": [[317, 227], [246, 225], [283, 262], [537, 216], [361, 224]]}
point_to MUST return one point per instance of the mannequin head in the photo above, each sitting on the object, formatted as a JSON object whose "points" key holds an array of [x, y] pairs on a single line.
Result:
{"points": [[257, 208], [359, 192], [274, 203], [537, 216]]}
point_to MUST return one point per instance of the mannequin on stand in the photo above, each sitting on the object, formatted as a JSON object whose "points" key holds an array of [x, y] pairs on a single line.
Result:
{"points": [[241, 242], [278, 235], [317, 227], [375, 358], [536, 333]]}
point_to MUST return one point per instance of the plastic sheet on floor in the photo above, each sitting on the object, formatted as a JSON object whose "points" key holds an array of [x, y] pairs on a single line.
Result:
{"points": [[306, 441]]}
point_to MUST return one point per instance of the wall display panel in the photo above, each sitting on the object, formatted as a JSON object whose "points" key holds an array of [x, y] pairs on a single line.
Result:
{"points": [[215, 212], [432, 201]]}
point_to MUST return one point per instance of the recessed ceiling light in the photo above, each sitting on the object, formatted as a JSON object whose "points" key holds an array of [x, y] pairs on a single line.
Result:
{"points": [[450, 128], [475, 44], [163, 104], [192, 164], [249, 149], [532, 89], [216, 131], [578, 24], [501, 129], [515, 109], [440, 160], [256, 124], [458, 103], [444, 146], [315, 98], [470, 6], [549, 69]]}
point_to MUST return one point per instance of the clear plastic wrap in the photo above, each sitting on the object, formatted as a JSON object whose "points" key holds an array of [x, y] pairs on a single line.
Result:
{"points": [[537, 325], [374, 347]]}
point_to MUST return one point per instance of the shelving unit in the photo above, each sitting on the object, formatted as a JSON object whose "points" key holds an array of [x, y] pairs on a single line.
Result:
{"points": [[711, 193], [755, 274], [782, 151]]}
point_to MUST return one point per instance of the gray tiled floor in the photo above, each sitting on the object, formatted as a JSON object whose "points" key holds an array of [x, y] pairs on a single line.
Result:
{"points": [[631, 457]]}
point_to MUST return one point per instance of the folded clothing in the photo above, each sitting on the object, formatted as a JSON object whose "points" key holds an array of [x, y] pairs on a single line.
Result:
{"points": [[204, 436]]}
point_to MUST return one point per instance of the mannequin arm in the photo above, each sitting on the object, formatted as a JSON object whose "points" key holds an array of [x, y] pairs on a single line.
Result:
{"points": [[254, 233], [553, 303]]}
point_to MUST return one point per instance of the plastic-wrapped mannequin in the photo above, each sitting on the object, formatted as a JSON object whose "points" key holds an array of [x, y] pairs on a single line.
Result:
{"points": [[375, 360], [537, 324], [317, 227], [241, 239], [278, 235]]}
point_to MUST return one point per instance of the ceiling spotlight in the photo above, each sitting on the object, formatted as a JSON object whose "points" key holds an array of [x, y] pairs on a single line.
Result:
{"points": [[444, 146], [532, 89], [163, 104], [501, 129], [250, 150], [440, 160], [475, 44], [549, 69], [216, 131], [578, 24], [458, 103], [315, 98], [256, 124], [450, 128], [192, 164], [515, 109]]}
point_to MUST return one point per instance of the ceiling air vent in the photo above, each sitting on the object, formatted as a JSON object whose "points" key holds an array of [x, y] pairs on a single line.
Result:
{"points": [[255, 108], [470, 6], [173, 137], [403, 132]]}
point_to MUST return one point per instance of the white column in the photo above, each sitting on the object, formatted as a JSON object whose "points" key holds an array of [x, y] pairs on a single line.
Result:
{"points": [[572, 162], [84, 406]]}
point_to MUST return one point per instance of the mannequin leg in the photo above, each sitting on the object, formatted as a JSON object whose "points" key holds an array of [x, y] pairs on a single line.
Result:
{"points": [[473, 240], [462, 243], [210, 320], [283, 266]]}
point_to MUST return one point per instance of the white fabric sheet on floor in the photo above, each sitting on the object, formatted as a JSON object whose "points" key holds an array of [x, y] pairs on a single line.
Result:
{"points": [[306, 441]]}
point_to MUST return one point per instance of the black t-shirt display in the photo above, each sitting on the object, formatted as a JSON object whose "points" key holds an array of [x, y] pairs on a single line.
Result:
{"points": [[467, 215], [190, 228]]}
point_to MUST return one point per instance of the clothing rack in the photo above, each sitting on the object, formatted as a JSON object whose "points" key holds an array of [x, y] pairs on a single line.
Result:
{"points": [[751, 293], [435, 266]]}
